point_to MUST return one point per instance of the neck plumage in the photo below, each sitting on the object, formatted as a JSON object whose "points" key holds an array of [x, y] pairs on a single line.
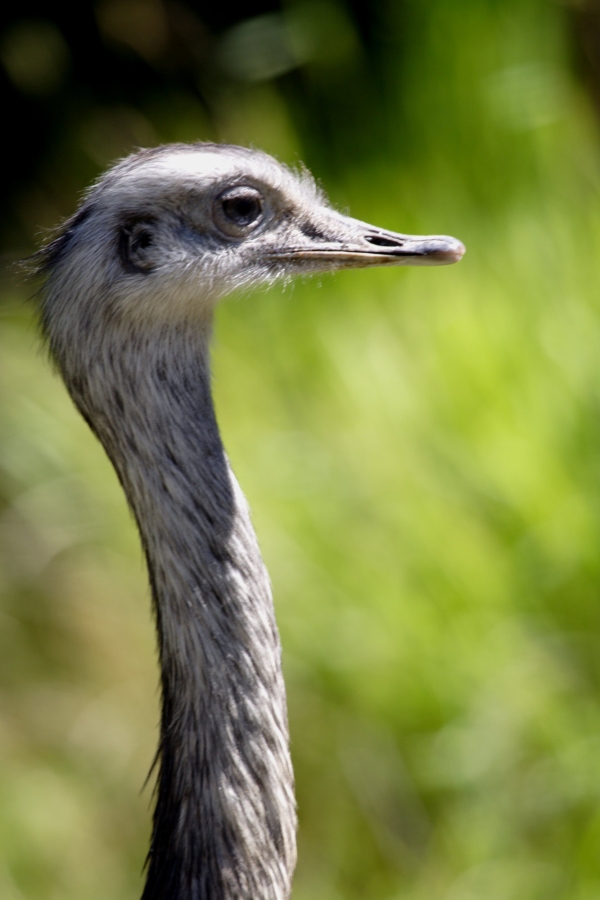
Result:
{"points": [[224, 823]]}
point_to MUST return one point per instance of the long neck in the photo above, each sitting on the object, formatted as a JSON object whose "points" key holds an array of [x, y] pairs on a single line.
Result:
{"points": [[224, 823]]}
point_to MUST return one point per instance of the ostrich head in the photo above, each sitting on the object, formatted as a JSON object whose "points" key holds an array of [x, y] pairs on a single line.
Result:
{"points": [[168, 232]]}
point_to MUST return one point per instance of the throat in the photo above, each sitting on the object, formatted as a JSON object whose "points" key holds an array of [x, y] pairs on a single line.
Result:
{"points": [[224, 822]]}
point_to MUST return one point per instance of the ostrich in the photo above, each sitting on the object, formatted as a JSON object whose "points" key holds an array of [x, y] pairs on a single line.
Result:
{"points": [[130, 284]]}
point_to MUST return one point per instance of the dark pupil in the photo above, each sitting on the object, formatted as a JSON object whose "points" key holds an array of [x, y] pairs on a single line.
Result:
{"points": [[241, 210]]}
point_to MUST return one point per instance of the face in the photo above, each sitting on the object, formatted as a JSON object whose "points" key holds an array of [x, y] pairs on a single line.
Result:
{"points": [[169, 232]]}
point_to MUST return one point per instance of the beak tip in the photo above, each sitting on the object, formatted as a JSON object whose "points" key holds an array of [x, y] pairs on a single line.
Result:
{"points": [[458, 251], [451, 251]]}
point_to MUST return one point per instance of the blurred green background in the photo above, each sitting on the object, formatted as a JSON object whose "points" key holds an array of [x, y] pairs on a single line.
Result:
{"points": [[421, 448]]}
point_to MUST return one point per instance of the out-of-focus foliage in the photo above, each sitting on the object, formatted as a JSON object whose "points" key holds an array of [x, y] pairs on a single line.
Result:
{"points": [[421, 450]]}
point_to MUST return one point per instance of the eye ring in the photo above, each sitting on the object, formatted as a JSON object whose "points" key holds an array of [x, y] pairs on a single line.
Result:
{"points": [[238, 210]]}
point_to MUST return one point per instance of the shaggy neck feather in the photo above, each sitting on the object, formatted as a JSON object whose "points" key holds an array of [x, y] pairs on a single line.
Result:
{"points": [[224, 823]]}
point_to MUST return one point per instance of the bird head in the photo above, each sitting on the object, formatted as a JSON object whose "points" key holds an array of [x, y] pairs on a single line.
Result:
{"points": [[168, 232]]}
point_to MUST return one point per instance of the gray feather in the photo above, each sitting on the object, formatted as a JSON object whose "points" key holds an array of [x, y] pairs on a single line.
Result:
{"points": [[130, 286]]}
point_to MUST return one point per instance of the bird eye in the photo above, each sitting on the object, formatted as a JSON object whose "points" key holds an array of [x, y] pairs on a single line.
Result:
{"points": [[238, 210]]}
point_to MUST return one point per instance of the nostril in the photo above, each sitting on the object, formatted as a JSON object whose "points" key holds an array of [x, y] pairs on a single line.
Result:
{"points": [[383, 242]]}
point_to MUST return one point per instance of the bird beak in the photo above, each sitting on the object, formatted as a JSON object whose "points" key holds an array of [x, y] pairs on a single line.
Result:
{"points": [[334, 241]]}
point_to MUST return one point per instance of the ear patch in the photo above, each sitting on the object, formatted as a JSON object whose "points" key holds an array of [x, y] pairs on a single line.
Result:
{"points": [[137, 239]]}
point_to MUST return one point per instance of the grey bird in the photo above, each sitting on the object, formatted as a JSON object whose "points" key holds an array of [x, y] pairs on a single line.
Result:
{"points": [[130, 284]]}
